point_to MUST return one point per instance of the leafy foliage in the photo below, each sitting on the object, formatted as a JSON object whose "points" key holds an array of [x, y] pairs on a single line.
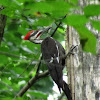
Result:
{"points": [[92, 10], [96, 24], [18, 57], [76, 20]]}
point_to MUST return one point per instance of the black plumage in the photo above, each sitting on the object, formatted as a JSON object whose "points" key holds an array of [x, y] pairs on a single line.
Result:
{"points": [[53, 53]]}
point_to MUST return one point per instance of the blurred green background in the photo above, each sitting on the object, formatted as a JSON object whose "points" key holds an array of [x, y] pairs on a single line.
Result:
{"points": [[18, 57]]}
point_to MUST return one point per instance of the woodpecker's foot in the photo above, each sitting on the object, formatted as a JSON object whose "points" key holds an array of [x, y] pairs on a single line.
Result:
{"points": [[73, 47], [70, 51]]}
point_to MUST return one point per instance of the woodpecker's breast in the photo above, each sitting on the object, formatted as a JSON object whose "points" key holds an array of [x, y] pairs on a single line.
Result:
{"points": [[52, 50]]}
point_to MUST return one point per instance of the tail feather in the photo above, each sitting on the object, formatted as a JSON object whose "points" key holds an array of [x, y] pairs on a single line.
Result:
{"points": [[67, 91], [59, 89]]}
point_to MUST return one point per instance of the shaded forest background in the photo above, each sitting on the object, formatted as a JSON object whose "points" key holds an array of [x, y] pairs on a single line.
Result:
{"points": [[18, 58]]}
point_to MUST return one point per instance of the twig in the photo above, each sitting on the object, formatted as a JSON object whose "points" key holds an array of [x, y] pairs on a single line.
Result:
{"points": [[39, 64], [25, 69], [12, 55], [58, 26], [31, 82], [70, 51]]}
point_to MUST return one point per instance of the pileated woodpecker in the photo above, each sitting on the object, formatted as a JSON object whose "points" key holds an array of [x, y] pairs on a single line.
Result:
{"points": [[52, 52]]}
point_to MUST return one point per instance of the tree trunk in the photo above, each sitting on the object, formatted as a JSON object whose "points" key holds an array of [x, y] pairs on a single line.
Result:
{"points": [[2, 24], [83, 68], [70, 63]]}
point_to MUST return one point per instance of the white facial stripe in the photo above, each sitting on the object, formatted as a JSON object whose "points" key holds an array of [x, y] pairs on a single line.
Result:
{"points": [[38, 41], [38, 33], [33, 34], [32, 37]]}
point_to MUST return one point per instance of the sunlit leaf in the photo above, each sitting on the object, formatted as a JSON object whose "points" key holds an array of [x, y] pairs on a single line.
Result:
{"points": [[75, 20], [73, 1], [96, 24], [12, 3], [43, 84], [92, 10], [10, 12], [88, 40], [38, 94], [43, 22]]}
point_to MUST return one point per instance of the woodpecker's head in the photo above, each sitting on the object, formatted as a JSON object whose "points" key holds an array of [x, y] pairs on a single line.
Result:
{"points": [[34, 35]]}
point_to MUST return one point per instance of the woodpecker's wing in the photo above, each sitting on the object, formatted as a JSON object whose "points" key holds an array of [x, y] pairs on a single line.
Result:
{"points": [[52, 52], [61, 54]]}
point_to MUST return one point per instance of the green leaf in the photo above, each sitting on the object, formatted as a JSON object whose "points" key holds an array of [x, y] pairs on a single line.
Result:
{"points": [[96, 24], [51, 7], [56, 13], [11, 4], [23, 1], [5, 95], [42, 85], [73, 1], [43, 21], [92, 10], [39, 7], [6, 3], [60, 8], [19, 98], [7, 81], [38, 94], [61, 30], [59, 5], [12, 36], [10, 12], [88, 40], [4, 52], [75, 20]]}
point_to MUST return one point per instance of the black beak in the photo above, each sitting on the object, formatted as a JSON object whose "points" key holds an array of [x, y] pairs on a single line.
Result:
{"points": [[46, 29]]}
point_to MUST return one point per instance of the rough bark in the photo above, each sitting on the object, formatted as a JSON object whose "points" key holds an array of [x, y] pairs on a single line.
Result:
{"points": [[84, 73], [2, 24], [83, 68], [70, 67]]}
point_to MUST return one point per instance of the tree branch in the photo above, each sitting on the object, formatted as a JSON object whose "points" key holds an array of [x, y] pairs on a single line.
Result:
{"points": [[31, 82], [12, 55], [41, 57], [2, 24]]}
